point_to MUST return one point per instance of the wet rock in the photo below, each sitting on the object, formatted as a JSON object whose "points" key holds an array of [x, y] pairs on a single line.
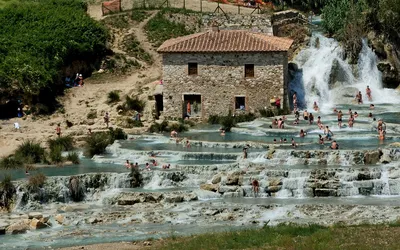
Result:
{"points": [[133, 198], [35, 215], [232, 194], [59, 218], [325, 192], [171, 198], [234, 178], [204, 194], [209, 187], [363, 184], [3, 227], [365, 191], [19, 227], [371, 157], [385, 159], [224, 189], [216, 179], [275, 182], [363, 176], [94, 220], [190, 197], [273, 189], [37, 224]]}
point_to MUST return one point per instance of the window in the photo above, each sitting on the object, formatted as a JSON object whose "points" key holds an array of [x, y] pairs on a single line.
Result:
{"points": [[240, 102], [192, 68], [249, 70]]}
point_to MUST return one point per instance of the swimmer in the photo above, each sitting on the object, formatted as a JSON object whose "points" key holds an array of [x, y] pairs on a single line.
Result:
{"points": [[244, 153], [255, 186], [293, 143], [382, 134], [370, 115], [223, 132], [274, 141], [355, 114], [328, 133], [371, 106], [368, 92], [319, 123], [148, 166], [305, 115], [311, 117], [315, 106], [359, 98], [339, 118], [174, 133], [351, 121], [334, 145], [321, 139], [127, 165], [302, 133]]}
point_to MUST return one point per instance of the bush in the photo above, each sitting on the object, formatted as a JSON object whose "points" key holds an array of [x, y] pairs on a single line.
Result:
{"points": [[178, 127], [213, 119], [30, 69], [159, 127], [248, 117], [65, 142], [55, 154], [76, 189], [74, 158], [228, 122], [92, 114], [134, 104], [266, 113], [160, 29], [30, 152], [137, 178], [130, 123], [134, 49], [117, 134], [36, 181], [7, 192], [113, 96], [10, 163], [96, 143]]}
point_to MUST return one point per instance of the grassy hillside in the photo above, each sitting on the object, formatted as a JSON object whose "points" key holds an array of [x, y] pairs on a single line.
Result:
{"points": [[37, 39]]}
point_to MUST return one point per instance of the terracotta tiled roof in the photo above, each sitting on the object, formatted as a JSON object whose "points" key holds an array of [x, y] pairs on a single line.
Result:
{"points": [[225, 41]]}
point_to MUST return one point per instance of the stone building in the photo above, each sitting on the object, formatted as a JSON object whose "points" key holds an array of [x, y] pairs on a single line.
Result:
{"points": [[217, 71]]}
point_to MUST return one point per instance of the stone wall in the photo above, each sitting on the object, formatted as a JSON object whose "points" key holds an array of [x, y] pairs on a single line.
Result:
{"points": [[220, 78]]}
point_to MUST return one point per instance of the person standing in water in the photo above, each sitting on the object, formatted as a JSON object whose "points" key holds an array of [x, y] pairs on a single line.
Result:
{"points": [[255, 186], [245, 153], [359, 98], [339, 118], [368, 92], [328, 133], [294, 102], [311, 118]]}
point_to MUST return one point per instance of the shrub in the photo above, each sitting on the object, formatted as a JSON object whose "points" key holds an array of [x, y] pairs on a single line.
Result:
{"points": [[36, 181], [69, 124], [92, 114], [117, 134], [96, 143], [10, 163], [65, 142], [228, 122], [76, 189], [213, 119], [159, 127], [7, 192], [55, 154], [134, 49], [160, 29], [137, 178], [139, 15], [134, 104], [113, 96], [130, 123], [248, 117], [30, 152], [73, 157], [178, 127]]}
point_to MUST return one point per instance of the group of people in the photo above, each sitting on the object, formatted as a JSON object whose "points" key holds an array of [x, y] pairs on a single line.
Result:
{"points": [[74, 82]]}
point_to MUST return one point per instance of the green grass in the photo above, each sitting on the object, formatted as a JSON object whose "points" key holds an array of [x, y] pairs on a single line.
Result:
{"points": [[10, 163], [134, 49], [293, 237], [117, 21], [160, 29], [30, 152], [74, 158], [66, 143], [113, 96], [139, 15]]}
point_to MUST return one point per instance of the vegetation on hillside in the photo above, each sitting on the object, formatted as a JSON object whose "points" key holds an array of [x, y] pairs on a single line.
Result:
{"points": [[160, 29], [97, 142], [38, 39]]}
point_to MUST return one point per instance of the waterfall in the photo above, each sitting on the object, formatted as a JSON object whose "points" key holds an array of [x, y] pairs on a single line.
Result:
{"points": [[294, 184], [326, 77]]}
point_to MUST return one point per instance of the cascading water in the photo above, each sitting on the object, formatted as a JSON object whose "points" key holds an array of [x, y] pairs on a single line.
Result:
{"points": [[325, 77]]}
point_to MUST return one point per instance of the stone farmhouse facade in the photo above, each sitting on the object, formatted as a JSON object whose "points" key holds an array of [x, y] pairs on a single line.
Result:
{"points": [[217, 71]]}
